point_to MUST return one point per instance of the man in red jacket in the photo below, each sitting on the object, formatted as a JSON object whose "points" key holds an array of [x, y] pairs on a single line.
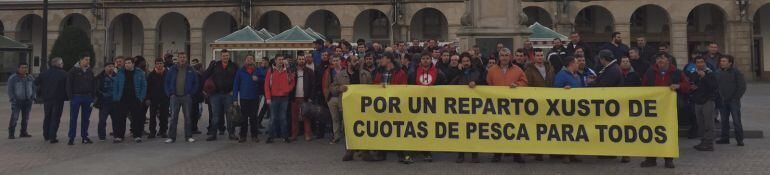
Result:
{"points": [[663, 73], [279, 82]]}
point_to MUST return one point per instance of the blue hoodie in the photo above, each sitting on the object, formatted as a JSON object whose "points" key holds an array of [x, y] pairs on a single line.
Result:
{"points": [[565, 78]]}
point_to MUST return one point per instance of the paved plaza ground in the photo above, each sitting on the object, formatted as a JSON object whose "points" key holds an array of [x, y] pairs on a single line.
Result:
{"points": [[33, 156]]}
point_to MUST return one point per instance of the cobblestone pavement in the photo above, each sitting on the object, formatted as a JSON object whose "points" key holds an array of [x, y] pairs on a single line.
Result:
{"points": [[33, 156]]}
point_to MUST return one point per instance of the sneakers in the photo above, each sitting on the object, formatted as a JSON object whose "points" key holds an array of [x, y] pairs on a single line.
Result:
{"points": [[334, 141], [54, 141], [408, 160], [740, 143], [190, 140], [138, 140], [87, 141], [428, 157], [117, 140], [23, 135], [169, 140], [11, 136]]}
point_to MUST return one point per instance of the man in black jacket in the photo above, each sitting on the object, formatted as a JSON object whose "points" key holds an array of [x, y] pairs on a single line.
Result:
{"points": [[158, 101], [610, 75], [575, 43], [49, 84], [703, 94], [222, 73], [81, 90], [732, 86]]}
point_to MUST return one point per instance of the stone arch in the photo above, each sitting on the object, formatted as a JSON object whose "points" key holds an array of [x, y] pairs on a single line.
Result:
{"points": [[595, 24], [215, 26], [372, 25], [274, 21], [429, 23], [706, 23], [761, 60], [326, 23], [172, 34], [126, 36], [29, 30], [540, 15], [652, 22], [76, 20]]}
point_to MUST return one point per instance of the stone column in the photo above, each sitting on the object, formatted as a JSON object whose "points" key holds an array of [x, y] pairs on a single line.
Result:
{"points": [[97, 40], [678, 45], [625, 32], [196, 45], [490, 21], [150, 47], [346, 33], [739, 41]]}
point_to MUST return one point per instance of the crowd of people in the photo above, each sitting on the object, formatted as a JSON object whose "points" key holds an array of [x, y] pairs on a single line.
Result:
{"points": [[301, 94]]}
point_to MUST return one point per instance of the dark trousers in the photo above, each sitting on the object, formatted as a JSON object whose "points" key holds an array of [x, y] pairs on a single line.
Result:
{"points": [[135, 110], [19, 107], [80, 103], [107, 110], [264, 110], [159, 115], [731, 108], [53, 111], [219, 104], [195, 115], [249, 111], [321, 122]]}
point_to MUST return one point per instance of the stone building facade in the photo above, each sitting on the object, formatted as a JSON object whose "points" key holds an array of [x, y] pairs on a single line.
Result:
{"points": [[155, 28]]}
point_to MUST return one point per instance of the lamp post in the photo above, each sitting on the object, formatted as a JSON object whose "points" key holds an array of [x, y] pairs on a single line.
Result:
{"points": [[44, 44], [743, 6]]}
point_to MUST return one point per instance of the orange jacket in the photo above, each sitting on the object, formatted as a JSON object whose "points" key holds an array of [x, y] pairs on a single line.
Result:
{"points": [[496, 77]]}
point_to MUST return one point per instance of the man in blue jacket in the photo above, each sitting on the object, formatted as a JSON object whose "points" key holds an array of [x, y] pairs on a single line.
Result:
{"points": [[181, 83], [129, 90], [245, 86], [21, 92]]}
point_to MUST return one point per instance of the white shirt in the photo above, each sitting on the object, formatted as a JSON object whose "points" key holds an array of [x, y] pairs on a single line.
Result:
{"points": [[300, 92]]}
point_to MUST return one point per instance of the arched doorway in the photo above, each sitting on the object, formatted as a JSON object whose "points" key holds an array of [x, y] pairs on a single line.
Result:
{"points": [[126, 36], [30, 31], [216, 26], [173, 34], [429, 23], [325, 23], [651, 22], [77, 20], [274, 21], [705, 24], [595, 25], [372, 25], [761, 60], [539, 15]]}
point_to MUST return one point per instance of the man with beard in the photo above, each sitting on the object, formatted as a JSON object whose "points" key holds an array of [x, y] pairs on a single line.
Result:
{"points": [[644, 50], [558, 52], [471, 76], [616, 46]]}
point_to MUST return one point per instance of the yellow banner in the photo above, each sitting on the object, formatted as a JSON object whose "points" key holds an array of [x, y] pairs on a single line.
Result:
{"points": [[634, 121]]}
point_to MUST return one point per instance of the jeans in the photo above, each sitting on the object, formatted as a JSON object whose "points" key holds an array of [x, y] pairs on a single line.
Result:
{"points": [[184, 102], [159, 118], [219, 104], [77, 104], [279, 122], [732, 107], [107, 110], [705, 115], [126, 108], [249, 109], [53, 110], [23, 107], [195, 115]]}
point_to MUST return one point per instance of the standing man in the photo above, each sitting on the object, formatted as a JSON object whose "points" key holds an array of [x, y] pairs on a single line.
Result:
{"points": [[732, 86], [713, 55], [540, 73], [303, 92], [388, 74], [246, 87], [334, 83], [80, 88], [222, 73], [506, 74], [639, 64], [616, 46], [21, 93], [181, 83], [104, 86], [704, 92], [644, 50], [558, 52], [278, 85], [427, 74], [471, 76], [568, 77], [50, 83], [664, 74], [587, 75], [129, 91], [157, 100], [575, 43], [609, 75]]}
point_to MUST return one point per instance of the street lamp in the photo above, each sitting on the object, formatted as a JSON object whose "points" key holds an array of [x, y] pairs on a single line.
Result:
{"points": [[743, 6]]}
